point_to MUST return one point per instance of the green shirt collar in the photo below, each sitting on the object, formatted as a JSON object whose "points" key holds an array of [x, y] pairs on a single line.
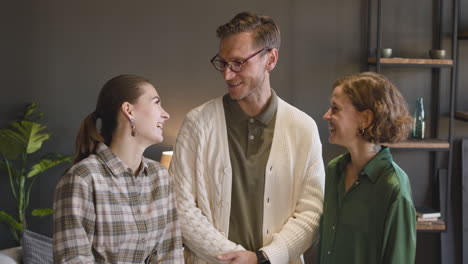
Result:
{"points": [[373, 167]]}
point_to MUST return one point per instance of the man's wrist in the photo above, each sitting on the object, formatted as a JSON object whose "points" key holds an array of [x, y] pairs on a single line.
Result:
{"points": [[262, 258]]}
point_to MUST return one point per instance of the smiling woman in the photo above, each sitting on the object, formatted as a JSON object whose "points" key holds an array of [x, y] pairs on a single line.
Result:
{"points": [[115, 205], [368, 212]]}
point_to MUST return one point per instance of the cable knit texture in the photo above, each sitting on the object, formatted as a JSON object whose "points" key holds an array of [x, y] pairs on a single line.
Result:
{"points": [[294, 183]]}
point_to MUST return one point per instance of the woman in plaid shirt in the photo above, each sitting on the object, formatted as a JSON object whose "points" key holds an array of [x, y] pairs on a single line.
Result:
{"points": [[114, 205]]}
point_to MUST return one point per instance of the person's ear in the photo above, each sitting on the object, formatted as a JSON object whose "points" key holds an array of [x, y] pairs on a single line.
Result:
{"points": [[367, 118], [272, 59], [127, 110]]}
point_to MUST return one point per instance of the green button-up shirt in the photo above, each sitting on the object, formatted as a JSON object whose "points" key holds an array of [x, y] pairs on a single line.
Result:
{"points": [[374, 221]]}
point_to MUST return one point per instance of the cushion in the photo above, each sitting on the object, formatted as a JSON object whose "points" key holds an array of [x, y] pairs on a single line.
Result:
{"points": [[10, 255], [37, 249], [5, 259]]}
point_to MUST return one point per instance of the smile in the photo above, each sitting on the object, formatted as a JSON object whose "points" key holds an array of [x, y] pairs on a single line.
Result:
{"points": [[234, 84]]}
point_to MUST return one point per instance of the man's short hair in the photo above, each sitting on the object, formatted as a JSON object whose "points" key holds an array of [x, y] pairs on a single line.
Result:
{"points": [[266, 32]]}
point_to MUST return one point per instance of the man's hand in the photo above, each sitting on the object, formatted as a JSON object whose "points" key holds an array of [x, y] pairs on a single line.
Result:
{"points": [[239, 257]]}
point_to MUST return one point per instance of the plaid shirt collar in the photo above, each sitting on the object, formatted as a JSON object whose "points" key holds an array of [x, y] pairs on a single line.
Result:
{"points": [[115, 164]]}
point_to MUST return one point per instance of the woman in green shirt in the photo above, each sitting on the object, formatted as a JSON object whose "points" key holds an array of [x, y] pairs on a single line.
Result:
{"points": [[368, 214]]}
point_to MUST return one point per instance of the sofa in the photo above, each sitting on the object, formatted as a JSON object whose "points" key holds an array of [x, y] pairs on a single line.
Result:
{"points": [[11, 255], [36, 249]]}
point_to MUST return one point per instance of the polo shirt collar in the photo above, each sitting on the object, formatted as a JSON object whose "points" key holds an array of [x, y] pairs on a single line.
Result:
{"points": [[267, 115], [264, 117]]}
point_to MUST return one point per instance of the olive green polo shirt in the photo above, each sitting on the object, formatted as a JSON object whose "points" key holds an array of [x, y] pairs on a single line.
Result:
{"points": [[375, 221], [249, 141]]}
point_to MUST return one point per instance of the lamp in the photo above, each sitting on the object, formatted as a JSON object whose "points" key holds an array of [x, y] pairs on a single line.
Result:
{"points": [[166, 158]]}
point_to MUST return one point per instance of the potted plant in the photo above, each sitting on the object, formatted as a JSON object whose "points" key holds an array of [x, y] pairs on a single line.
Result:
{"points": [[18, 142]]}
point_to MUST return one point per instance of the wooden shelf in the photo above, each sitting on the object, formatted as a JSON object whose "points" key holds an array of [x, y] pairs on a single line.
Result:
{"points": [[420, 144], [412, 62], [463, 35], [438, 225], [462, 115]]}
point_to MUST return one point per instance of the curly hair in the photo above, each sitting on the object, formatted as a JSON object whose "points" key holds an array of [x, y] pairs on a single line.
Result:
{"points": [[372, 91], [266, 32]]}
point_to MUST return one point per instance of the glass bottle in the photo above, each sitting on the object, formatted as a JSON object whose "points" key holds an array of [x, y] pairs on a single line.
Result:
{"points": [[419, 120]]}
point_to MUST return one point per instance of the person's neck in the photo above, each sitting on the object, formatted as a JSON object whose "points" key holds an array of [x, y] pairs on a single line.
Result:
{"points": [[361, 154], [255, 103], [128, 151]]}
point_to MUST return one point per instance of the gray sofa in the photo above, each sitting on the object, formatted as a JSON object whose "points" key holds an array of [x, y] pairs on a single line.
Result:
{"points": [[36, 249]]}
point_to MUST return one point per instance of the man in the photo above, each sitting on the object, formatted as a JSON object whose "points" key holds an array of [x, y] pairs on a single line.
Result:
{"points": [[247, 166]]}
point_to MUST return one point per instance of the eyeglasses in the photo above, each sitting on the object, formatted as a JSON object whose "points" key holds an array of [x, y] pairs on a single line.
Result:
{"points": [[235, 66]]}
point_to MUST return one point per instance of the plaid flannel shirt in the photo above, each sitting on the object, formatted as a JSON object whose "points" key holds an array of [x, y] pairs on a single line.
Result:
{"points": [[104, 214]]}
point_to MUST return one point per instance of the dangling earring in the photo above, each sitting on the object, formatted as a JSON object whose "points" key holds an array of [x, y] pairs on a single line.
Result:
{"points": [[132, 124]]}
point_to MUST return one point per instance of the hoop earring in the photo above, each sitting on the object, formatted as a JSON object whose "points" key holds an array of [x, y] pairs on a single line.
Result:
{"points": [[132, 124], [362, 131]]}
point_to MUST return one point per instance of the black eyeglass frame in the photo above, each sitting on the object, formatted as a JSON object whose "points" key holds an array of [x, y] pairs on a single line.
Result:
{"points": [[239, 63]]}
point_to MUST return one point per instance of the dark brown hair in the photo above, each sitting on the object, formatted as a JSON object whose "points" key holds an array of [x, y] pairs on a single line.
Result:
{"points": [[116, 91], [374, 92], [266, 32]]}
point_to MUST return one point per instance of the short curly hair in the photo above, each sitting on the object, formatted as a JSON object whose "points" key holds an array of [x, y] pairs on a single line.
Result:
{"points": [[372, 91], [266, 32]]}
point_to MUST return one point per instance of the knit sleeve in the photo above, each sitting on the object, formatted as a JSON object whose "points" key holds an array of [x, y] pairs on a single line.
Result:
{"points": [[198, 232]]}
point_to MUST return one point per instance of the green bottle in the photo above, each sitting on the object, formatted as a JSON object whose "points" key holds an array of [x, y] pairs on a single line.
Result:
{"points": [[419, 120]]}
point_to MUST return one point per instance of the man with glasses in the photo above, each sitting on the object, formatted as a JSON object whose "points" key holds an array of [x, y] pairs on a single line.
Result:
{"points": [[247, 166]]}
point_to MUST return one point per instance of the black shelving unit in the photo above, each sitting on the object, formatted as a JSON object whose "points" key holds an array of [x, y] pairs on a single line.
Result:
{"points": [[436, 145], [461, 113]]}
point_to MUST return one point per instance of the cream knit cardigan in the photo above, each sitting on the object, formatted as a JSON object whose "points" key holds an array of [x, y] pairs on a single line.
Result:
{"points": [[294, 185]]}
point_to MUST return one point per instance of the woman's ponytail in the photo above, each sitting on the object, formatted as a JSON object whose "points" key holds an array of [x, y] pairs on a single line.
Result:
{"points": [[87, 138]]}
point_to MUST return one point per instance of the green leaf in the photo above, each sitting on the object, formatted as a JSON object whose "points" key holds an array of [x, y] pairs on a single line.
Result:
{"points": [[31, 113], [42, 212], [31, 135], [6, 218], [11, 143], [47, 163]]}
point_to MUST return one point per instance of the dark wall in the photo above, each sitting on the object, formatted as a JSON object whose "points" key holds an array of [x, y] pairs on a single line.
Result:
{"points": [[60, 54]]}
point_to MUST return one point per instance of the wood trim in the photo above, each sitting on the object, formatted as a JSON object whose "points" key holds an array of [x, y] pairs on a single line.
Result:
{"points": [[463, 35], [411, 61], [420, 144], [463, 115], [438, 225]]}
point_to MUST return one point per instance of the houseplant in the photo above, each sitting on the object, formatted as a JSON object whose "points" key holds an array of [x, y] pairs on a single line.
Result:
{"points": [[18, 142]]}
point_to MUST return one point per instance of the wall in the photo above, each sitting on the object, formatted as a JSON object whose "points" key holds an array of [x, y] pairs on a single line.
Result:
{"points": [[61, 53]]}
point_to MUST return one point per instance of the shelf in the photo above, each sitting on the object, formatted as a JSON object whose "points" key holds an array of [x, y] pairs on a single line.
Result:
{"points": [[412, 62], [462, 115], [438, 225], [463, 35], [429, 144]]}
